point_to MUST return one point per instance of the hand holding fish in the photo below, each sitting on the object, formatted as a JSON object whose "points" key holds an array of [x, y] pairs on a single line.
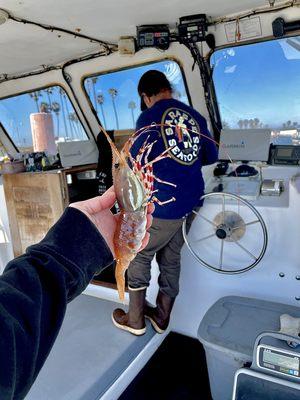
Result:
{"points": [[98, 211]]}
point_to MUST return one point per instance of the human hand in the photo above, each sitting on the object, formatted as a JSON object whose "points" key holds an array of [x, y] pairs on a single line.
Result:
{"points": [[98, 211]]}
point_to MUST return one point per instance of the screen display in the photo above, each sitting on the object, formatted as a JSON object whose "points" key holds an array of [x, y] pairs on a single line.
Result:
{"points": [[192, 28], [284, 152], [285, 362]]}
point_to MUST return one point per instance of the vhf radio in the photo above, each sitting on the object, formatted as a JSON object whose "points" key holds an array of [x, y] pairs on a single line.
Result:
{"points": [[192, 28]]}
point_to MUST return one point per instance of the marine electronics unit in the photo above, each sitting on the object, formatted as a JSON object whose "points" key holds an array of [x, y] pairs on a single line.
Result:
{"points": [[275, 370], [192, 28], [244, 144], [241, 145], [284, 155], [153, 36]]}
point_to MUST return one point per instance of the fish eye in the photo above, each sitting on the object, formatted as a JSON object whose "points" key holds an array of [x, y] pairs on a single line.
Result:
{"points": [[116, 165]]}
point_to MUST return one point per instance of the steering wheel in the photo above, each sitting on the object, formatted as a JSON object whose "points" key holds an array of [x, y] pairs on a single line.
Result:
{"points": [[223, 248]]}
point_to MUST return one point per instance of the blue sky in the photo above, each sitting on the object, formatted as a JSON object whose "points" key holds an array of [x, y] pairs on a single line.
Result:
{"points": [[259, 81]]}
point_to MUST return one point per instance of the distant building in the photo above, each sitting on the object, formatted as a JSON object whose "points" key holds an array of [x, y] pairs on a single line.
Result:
{"points": [[289, 132]]}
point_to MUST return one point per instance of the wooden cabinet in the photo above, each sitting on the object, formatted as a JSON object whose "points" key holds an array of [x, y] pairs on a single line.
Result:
{"points": [[35, 201]]}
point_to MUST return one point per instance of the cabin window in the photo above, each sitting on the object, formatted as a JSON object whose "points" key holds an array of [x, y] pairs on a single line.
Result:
{"points": [[16, 116], [257, 86], [115, 98]]}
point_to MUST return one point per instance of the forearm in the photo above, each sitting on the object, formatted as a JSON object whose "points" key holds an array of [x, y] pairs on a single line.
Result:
{"points": [[34, 291]]}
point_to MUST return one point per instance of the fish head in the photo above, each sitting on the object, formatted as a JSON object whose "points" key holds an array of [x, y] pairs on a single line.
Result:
{"points": [[129, 188]]}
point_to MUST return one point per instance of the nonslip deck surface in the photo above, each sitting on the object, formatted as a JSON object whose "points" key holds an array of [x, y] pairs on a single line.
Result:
{"points": [[89, 354]]}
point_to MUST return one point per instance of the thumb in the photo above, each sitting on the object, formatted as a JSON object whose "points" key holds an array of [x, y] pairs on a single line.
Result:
{"points": [[97, 204], [108, 199]]}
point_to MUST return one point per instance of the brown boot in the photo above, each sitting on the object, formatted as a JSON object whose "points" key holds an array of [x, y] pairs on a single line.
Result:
{"points": [[160, 315], [133, 321]]}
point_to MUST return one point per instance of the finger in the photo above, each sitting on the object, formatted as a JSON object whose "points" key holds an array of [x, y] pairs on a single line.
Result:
{"points": [[108, 199], [97, 204], [100, 203]]}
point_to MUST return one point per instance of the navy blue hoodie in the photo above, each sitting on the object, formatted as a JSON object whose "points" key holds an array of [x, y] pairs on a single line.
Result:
{"points": [[190, 146]]}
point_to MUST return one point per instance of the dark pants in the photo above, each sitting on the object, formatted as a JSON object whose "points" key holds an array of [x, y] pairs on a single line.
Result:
{"points": [[166, 241]]}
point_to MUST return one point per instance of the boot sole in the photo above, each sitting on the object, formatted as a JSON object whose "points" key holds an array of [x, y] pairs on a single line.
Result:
{"points": [[155, 326], [137, 332]]}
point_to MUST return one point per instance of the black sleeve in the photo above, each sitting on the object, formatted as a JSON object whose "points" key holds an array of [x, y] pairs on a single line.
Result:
{"points": [[34, 291]]}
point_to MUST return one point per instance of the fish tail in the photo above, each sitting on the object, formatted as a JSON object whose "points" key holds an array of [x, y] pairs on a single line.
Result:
{"points": [[120, 278]]}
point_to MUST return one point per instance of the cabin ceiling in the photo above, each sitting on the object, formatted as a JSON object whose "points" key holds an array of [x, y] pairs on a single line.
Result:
{"points": [[24, 47]]}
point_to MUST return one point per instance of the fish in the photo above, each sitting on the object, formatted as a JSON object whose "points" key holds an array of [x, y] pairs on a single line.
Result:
{"points": [[133, 181]]}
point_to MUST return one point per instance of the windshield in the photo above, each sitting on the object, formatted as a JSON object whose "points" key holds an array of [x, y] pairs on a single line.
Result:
{"points": [[257, 87]]}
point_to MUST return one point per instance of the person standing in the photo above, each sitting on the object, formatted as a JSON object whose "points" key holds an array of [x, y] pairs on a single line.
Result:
{"points": [[178, 127]]}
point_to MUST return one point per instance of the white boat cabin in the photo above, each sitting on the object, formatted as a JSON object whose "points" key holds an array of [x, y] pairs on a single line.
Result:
{"points": [[68, 68]]}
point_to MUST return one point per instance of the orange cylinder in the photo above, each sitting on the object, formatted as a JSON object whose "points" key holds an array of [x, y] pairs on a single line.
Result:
{"points": [[42, 130]]}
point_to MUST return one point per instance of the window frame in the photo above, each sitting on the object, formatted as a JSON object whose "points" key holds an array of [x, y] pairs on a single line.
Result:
{"points": [[131, 66], [8, 138], [34, 90]]}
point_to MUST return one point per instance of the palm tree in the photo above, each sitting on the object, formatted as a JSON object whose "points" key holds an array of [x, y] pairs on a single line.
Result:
{"points": [[44, 107], [132, 106], [49, 91], [113, 92], [71, 124], [256, 122], [241, 123], [287, 124], [77, 124], [35, 96], [225, 125], [68, 112], [56, 110], [94, 81], [100, 101], [88, 87], [75, 121], [61, 94]]}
